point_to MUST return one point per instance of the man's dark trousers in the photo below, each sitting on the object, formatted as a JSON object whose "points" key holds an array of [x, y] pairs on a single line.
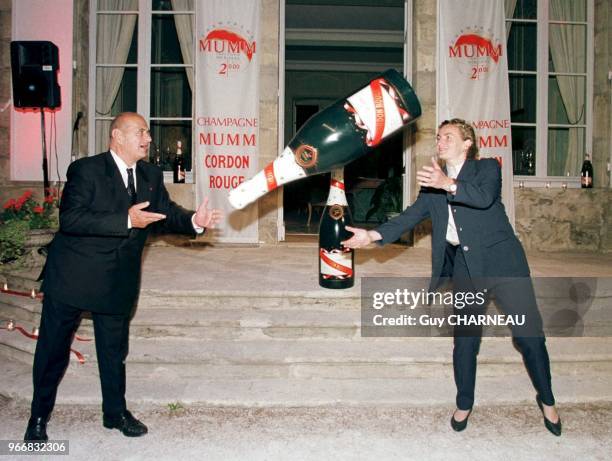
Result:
{"points": [[58, 324]]}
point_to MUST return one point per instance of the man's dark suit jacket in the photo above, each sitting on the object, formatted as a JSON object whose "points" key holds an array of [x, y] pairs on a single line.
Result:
{"points": [[94, 261], [490, 247]]}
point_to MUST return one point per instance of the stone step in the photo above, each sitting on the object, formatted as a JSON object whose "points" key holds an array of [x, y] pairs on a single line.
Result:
{"points": [[215, 301], [211, 299], [162, 387], [20, 308], [206, 323], [242, 356], [579, 294], [240, 318], [272, 337], [355, 359]]}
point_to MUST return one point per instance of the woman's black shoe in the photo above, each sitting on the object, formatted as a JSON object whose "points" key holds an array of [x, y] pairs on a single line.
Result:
{"points": [[458, 426], [553, 428]]}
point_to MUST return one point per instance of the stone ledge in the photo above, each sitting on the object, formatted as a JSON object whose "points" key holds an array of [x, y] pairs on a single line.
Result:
{"points": [[554, 219]]}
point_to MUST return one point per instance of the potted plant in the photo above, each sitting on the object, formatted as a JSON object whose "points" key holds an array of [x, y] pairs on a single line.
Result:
{"points": [[26, 224], [387, 199]]}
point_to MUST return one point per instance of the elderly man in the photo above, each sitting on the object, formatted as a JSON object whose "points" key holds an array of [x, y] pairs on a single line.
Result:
{"points": [[94, 264]]}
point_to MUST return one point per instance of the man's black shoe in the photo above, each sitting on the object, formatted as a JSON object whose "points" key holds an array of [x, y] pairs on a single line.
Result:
{"points": [[126, 423], [37, 430]]}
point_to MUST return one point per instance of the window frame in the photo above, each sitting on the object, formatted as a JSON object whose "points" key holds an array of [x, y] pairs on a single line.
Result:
{"points": [[542, 74], [143, 67]]}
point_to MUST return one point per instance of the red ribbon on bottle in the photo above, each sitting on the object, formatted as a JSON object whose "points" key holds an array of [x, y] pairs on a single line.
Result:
{"points": [[338, 184], [330, 262], [379, 107], [270, 178]]}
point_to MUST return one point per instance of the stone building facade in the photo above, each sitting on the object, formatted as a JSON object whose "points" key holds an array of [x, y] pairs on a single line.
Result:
{"points": [[546, 219]]}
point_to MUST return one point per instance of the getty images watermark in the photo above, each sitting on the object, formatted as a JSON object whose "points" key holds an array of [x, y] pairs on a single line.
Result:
{"points": [[488, 306]]}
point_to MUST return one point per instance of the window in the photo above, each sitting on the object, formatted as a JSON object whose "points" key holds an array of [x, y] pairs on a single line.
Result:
{"points": [[550, 64], [143, 63]]}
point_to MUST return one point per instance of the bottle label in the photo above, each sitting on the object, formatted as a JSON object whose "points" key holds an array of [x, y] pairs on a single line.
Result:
{"points": [[376, 109], [586, 180], [336, 212], [306, 156], [336, 264]]}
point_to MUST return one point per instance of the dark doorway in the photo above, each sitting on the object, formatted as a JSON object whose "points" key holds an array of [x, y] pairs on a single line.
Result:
{"points": [[333, 48], [305, 199]]}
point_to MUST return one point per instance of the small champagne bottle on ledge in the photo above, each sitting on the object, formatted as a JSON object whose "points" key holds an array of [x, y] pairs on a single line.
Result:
{"points": [[336, 263], [179, 164], [157, 157], [586, 174]]}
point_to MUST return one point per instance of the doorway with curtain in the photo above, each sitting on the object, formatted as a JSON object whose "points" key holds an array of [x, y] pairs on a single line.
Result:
{"points": [[333, 48]]}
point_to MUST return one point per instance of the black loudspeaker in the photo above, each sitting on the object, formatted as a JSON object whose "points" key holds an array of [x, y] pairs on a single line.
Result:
{"points": [[34, 68]]}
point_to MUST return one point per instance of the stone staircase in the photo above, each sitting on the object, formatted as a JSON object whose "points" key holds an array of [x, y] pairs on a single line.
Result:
{"points": [[291, 349]]}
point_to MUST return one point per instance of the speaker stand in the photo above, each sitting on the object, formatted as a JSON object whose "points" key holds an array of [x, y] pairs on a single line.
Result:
{"points": [[45, 168]]}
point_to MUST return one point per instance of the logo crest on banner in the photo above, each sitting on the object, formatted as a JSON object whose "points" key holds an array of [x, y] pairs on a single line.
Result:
{"points": [[229, 47], [475, 52]]}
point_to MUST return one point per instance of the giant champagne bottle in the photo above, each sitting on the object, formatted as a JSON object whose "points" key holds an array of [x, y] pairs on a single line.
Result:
{"points": [[336, 263], [348, 129]]}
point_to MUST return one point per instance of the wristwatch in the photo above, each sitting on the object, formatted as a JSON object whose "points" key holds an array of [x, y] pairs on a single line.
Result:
{"points": [[452, 188]]}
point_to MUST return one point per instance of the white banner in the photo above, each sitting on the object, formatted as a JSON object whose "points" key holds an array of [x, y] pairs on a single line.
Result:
{"points": [[473, 78], [227, 109]]}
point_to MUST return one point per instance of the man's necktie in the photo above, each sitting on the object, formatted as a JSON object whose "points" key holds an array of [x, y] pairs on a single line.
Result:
{"points": [[130, 187]]}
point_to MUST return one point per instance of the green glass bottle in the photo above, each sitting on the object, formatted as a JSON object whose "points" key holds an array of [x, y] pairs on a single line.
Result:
{"points": [[348, 129], [336, 263]]}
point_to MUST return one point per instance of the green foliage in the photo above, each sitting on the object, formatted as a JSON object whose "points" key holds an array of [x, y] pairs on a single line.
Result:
{"points": [[175, 406], [18, 217], [12, 240], [387, 198]]}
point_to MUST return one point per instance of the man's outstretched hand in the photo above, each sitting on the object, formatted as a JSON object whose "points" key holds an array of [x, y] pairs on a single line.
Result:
{"points": [[207, 217], [140, 218]]}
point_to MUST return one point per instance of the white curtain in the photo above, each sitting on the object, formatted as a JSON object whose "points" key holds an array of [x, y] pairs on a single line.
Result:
{"points": [[516, 85], [568, 51], [184, 29], [114, 38], [509, 6]]}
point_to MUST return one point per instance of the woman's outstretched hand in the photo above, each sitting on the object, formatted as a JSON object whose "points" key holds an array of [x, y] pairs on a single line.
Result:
{"points": [[361, 237]]}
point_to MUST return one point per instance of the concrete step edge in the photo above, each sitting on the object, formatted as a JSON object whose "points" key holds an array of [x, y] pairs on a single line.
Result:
{"points": [[162, 388], [236, 356]]}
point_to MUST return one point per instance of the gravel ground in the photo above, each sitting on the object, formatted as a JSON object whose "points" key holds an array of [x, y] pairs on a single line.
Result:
{"points": [[330, 433]]}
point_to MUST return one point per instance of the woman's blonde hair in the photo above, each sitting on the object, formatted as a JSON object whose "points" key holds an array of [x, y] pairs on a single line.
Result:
{"points": [[467, 132]]}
